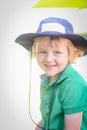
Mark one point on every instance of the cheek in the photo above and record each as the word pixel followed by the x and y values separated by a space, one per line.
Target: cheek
pixel 39 59
pixel 63 60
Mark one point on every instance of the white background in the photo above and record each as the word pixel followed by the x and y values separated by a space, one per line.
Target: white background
pixel 17 17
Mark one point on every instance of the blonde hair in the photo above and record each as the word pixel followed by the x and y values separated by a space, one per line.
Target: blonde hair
pixel 73 51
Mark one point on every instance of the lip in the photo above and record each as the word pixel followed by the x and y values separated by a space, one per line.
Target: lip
pixel 50 66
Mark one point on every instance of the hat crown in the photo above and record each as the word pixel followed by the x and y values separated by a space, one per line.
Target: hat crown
pixel 53 27
pixel 57 25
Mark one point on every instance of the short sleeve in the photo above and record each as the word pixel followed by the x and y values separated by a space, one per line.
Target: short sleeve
pixel 74 97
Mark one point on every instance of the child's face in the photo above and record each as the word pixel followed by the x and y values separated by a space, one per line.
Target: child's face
pixel 51 59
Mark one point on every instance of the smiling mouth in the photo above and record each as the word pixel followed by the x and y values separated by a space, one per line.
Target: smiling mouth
pixel 50 66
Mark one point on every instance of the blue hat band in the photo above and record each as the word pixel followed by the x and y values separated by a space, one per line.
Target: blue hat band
pixel 55 25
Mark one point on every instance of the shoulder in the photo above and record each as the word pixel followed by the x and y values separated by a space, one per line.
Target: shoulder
pixel 73 77
pixel 73 85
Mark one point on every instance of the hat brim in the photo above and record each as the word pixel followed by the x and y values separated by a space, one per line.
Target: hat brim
pixel 26 40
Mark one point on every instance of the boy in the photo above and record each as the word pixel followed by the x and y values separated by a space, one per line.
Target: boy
pixel 63 91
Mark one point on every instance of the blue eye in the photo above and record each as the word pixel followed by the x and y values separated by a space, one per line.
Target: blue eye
pixel 57 52
pixel 41 52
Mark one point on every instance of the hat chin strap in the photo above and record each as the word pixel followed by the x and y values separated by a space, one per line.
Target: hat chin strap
pixel 30 76
pixel 53 27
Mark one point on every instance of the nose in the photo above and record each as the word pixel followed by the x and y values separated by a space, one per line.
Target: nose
pixel 49 57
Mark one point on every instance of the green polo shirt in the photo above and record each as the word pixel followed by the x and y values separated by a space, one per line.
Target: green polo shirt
pixel 66 95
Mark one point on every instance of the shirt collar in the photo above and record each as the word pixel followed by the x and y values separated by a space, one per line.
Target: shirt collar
pixel 65 73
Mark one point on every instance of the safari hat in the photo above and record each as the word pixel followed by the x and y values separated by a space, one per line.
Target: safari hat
pixel 54 27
